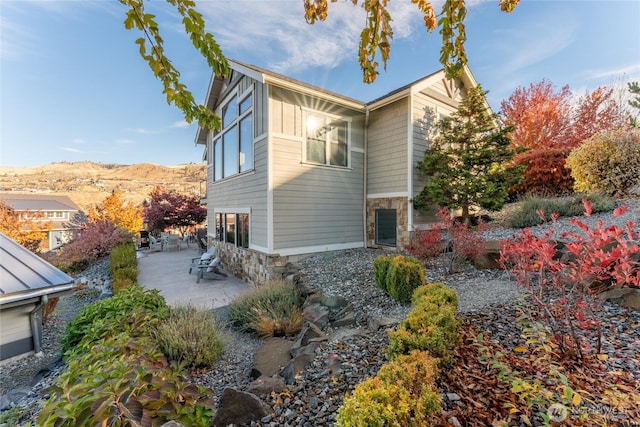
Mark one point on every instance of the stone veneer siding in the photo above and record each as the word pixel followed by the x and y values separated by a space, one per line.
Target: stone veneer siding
pixel 256 268
pixel 400 204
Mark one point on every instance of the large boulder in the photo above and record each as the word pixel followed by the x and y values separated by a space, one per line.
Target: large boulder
pixel 239 407
pixel 625 297
pixel 490 256
pixel 271 357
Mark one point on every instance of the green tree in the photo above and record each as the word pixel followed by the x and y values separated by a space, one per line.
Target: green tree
pixel 466 164
pixel 634 89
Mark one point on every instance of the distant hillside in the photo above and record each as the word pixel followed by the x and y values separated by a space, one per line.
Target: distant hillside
pixel 88 183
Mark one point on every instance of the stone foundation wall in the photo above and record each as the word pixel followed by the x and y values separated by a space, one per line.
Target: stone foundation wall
pixel 251 266
pixel 400 204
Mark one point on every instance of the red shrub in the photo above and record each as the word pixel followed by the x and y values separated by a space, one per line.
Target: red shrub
pixel 545 173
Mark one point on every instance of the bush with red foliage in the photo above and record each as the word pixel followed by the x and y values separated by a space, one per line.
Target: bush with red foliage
pixel 450 234
pixel 93 241
pixel 545 173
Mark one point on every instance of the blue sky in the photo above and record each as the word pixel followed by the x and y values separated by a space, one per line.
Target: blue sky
pixel 74 88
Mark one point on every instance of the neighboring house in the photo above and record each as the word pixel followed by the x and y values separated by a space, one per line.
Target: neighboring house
pixel 27 282
pixel 59 212
pixel 297 170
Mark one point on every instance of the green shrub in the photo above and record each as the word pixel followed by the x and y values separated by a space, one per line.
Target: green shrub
pixel 427 327
pixel 123 255
pixel 402 394
pixel 125 380
pixel 431 325
pixel 607 162
pixel 527 214
pixel 119 284
pixel 404 276
pixel 380 268
pixel 130 273
pixel 274 309
pixel 190 336
pixel 112 315
pixel 435 293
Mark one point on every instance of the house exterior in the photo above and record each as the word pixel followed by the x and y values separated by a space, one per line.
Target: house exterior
pixel 58 212
pixel 297 170
pixel 27 282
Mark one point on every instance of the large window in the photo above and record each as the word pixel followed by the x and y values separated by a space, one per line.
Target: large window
pixel 233 228
pixel 326 140
pixel 233 147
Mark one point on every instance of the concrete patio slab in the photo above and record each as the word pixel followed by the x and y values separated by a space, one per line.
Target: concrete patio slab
pixel 169 273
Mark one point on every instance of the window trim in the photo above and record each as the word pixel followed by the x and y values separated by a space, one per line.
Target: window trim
pixel 239 117
pixel 328 118
pixel 221 230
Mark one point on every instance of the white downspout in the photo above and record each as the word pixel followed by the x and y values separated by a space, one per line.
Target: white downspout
pixel 35 328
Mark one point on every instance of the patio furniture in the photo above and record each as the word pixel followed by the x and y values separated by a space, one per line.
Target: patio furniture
pixel 203 260
pixel 207 266
pixel 173 241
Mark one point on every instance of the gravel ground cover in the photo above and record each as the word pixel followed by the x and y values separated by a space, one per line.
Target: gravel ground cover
pixel 486 299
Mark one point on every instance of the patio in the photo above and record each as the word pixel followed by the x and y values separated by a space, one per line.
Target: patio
pixel 168 272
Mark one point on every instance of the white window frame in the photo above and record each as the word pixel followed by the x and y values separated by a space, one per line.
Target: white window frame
pixel 328 119
pixel 240 98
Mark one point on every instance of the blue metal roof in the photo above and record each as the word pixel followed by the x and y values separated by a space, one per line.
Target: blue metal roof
pixel 23 273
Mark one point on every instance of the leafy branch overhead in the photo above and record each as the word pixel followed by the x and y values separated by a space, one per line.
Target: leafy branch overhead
pixel 375 39
pixel 151 46
pixel 376 36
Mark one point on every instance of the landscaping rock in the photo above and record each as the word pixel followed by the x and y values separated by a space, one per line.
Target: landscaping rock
pixel 271 357
pixel 625 297
pixel 348 319
pixel 334 302
pixel 489 257
pixel 264 386
pixel 317 314
pixel 239 407
pixel 296 366
pixel 375 323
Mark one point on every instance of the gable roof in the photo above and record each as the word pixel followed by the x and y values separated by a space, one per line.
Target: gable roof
pixel 38 202
pixel 25 275
pixel 216 85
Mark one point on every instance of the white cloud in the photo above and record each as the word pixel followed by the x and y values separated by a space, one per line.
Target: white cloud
pixel 631 70
pixel 124 141
pixel 278 30
pixel 180 124
pixel 72 150
pixel 143 131
pixel 78 141
pixel 533 43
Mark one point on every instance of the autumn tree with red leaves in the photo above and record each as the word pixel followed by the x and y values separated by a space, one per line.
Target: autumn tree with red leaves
pixel 540 115
pixel 171 209
pixel 546 120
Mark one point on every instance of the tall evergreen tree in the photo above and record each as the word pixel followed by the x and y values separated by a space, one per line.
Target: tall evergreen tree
pixel 466 164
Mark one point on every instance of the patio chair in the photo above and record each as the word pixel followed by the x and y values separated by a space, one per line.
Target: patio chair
pixel 203 260
pixel 186 239
pixel 172 242
pixel 211 271
pixel 207 266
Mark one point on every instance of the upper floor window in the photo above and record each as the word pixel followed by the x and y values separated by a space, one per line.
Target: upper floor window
pixel 326 140
pixel 232 149
pixel 55 214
